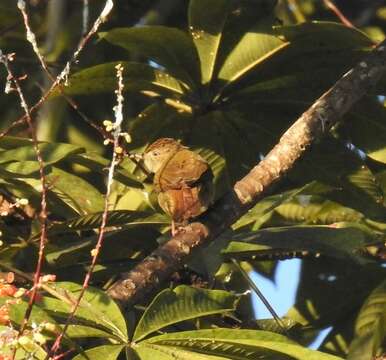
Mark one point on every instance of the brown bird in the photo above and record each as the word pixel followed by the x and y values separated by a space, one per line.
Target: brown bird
pixel 183 180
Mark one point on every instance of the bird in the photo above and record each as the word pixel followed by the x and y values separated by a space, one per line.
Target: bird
pixel 183 180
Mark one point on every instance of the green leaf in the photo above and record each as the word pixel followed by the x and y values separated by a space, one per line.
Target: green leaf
pixel 104 352
pixel 11 142
pixel 205 25
pixel 19 169
pixel 256 46
pixel 182 303
pixel 50 153
pixel 96 308
pixel 318 54
pixel 99 164
pixel 370 327
pixel 114 218
pixel 136 77
pixel 168 47
pixel 256 216
pixel 231 344
pixel 343 241
pixel 75 192
pixel 82 331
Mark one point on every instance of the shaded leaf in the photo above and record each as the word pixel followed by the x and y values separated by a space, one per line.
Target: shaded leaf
pixel 136 77
pixel 168 47
pixel 343 241
pixel 50 153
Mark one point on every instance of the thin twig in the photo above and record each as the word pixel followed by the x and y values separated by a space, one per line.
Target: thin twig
pixel 110 178
pixel 32 39
pixel 43 214
pixel 65 72
pixel 329 4
pixel 260 295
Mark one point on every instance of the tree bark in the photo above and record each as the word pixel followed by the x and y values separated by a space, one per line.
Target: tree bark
pixel 311 126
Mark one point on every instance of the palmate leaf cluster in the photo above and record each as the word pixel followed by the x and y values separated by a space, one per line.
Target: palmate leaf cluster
pixel 227 84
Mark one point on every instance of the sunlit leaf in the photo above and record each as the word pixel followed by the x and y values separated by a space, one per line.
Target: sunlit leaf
pixel 231 344
pixel 370 327
pixel 103 352
pixel 182 303
pixel 205 25
pixel 96 308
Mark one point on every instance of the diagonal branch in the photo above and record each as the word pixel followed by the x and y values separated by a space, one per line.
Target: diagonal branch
pixel 311 126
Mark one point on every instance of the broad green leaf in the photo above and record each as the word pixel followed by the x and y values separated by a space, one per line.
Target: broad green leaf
pixel 39 314
pixel 50 153
pixel 271 325
pixel 256 216
pixel 99 164
pixel 169 47
pixel 325 34
pixel 318 54
pixel 104 352
pixel 342 240
pixel 96 308
pixel 19 169
pixel 11 142
pixel 314 210
pixel 256 46
pixel 75 192
pixel 205 25
pixel 182 303
pixel 114 218
pixel 136 77
pixel 144 352
pixel 234 344
pixel 370 327
pixel 82 331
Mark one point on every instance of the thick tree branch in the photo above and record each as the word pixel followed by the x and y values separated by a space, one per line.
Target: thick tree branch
pixel 312 125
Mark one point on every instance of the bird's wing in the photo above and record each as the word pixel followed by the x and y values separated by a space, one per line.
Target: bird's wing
pixel 183 169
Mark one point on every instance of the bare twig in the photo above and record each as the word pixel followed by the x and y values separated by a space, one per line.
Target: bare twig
pixel 110 178
pixel 330 4
pixel 312 125
pixel 43 214
pixel 32 39
pixel 260 295
pixel 65 72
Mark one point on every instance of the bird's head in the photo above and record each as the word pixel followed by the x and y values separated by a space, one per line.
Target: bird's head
pixel 160 151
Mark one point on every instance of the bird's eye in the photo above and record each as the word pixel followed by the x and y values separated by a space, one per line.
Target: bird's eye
pixel 155 153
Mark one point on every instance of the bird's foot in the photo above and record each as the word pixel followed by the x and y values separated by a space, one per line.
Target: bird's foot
pixel 177 229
